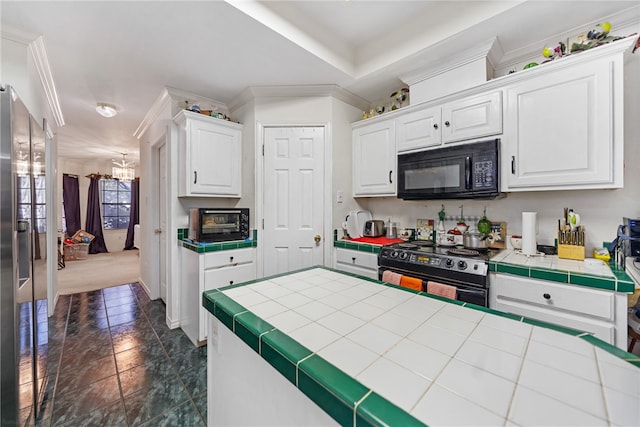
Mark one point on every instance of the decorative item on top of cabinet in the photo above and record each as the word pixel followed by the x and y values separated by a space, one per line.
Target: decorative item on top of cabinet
pixel 209 156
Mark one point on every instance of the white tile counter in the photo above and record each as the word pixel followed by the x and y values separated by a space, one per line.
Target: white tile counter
pixel 435 361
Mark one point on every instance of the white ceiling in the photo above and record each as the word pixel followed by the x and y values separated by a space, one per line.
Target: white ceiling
pixel 125 53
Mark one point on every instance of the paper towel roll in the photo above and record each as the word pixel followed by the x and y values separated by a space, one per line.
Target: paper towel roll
pixel 529 226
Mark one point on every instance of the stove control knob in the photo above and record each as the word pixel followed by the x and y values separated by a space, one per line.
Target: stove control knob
pixel 449 263
pixel 462 265
pixel 393 254
pixel 403 255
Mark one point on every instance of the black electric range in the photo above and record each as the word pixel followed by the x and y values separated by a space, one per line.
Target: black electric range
pixel 466 269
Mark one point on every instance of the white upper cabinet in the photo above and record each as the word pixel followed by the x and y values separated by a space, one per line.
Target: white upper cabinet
pixel 472 117
pixel 466 118
pixel 209 156
pixel 419 129
pixel 374 159
pixel 564 126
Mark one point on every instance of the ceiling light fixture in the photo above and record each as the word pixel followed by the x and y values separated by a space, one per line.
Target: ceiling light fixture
pixel 123 170
pixel 106 110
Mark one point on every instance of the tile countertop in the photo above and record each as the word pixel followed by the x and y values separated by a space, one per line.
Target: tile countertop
pixel 592 273
pixel 375 353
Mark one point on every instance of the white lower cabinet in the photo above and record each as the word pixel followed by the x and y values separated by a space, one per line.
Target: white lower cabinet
pixel 202 272
pixel 362 263
pixel 596 311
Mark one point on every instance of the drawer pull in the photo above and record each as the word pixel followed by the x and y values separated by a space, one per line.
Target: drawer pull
pixel 546 296
pixel 230 259
pixel 353 259
pixel 231 282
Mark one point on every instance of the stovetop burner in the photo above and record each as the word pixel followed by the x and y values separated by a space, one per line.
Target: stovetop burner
pixel 406 245
pixel 463 252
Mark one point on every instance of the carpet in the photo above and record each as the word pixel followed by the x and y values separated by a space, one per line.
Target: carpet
pixel 99 271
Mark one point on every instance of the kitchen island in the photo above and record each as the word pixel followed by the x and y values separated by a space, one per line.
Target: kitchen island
pixel 319 346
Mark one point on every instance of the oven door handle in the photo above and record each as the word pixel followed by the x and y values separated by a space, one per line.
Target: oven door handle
pixel 467 173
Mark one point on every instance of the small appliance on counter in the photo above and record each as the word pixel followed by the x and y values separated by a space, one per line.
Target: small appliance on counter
pixel 374 228
pixel 356 221
pixel 218 224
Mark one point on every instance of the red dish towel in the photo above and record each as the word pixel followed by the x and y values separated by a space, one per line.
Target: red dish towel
pixel 441 289
pixel 411 283
pixel 391 277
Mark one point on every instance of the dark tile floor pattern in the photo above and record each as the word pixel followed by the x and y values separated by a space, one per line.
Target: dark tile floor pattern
pixel 112 361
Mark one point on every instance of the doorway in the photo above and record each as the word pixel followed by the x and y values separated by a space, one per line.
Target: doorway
pixel 293 198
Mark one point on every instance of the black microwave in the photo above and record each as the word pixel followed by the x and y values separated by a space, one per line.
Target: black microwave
pixel 464 171
pixel 218 225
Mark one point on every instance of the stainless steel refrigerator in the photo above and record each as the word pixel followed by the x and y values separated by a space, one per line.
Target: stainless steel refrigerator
pixel 23 304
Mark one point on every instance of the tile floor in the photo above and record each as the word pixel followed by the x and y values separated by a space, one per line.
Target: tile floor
pixel 113 361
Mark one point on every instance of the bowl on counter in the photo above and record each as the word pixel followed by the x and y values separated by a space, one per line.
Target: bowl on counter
pixel 516 242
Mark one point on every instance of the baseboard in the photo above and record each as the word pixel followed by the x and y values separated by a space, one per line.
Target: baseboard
pixel 172 324
pixel 144 286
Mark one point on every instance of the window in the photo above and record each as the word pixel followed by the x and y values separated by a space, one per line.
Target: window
pixel 116 203
pixel 24 201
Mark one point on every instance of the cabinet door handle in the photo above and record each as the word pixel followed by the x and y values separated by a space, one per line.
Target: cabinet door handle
pixel 231 282
pixel 447 124
pixel 435 126
pixel 546 296
pixel 230 259
pixel 353 260
pixel 195 176
pixel 513 165
pixel 390 181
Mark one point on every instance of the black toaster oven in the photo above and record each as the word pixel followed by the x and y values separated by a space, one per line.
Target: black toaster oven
pixel 218 224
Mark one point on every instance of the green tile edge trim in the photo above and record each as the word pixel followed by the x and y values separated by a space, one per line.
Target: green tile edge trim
pixel 628 357
pixel 375 410
pixel 249 328
pixel 283 353
pixel 183 233
pixel 331 389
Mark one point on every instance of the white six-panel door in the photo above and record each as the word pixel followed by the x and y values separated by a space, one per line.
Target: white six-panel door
pixel 293 198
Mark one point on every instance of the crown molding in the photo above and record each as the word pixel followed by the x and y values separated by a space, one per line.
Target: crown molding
pixel 17 35
pixel 299 91
pixel 154 112
pixel 41 60
pixel 178 97
pixel 490 50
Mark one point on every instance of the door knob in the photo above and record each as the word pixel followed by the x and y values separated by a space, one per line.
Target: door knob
pixel 317 238
pixel 158 230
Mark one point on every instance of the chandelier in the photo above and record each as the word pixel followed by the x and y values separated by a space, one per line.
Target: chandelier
pixel 123 170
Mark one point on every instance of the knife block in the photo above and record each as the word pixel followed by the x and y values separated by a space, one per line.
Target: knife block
pixel 571 252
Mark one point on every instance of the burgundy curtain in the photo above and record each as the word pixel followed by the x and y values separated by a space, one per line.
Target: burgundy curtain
pixel 134 216
pixel 71 199
pixel 93 224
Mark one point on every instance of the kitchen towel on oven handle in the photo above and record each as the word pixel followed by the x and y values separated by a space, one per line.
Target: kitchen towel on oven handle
pixel 389 276
pixel 442 290
pixel 411 283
